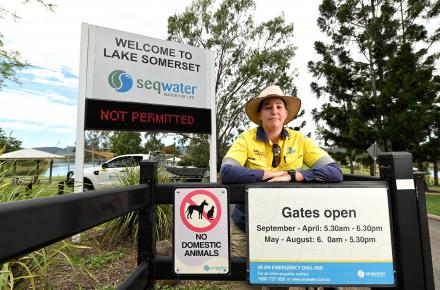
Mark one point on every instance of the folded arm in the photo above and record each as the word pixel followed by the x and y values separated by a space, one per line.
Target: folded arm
pixel 325 169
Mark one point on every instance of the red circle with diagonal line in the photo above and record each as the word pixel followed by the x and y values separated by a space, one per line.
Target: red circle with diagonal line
pixel 188 201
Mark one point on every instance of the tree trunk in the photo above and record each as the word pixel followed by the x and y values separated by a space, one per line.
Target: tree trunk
pixel 420 165
pixel 435 172
pixel 351 167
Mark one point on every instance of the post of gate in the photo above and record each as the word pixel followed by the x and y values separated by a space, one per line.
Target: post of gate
pixel 396 169
pixel 419 180
pixel 147 220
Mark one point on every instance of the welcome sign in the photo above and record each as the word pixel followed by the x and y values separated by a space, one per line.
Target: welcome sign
pixel 139 83
pixel 134 82
pixel 128 67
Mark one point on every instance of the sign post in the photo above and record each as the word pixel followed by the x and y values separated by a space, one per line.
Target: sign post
pixel 319 236
pixel 374 150
pixel 201 231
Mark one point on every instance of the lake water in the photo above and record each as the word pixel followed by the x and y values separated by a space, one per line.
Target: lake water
pixel 61 169
pixel 431 172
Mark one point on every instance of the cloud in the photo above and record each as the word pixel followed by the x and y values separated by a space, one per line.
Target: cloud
pixel 49 95
pixel 66 82
pixel 35 111
pixel 50 41
pixel 50 77
pixel 14 125
pixel 33 127
pixel 44 73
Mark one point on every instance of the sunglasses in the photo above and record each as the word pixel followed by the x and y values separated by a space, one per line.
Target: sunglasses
pixel 276 151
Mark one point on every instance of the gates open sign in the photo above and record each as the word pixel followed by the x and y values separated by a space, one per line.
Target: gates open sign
pixel 319 236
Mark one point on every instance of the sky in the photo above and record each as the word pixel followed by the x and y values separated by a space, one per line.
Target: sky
pixel 41 111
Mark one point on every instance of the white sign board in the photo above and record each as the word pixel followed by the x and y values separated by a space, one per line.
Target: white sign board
pixel 201 231
pixel 127 68
pixel 318 236
pixel 123 66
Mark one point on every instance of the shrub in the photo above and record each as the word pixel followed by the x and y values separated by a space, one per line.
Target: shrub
pixel 126 226
pixel 30 270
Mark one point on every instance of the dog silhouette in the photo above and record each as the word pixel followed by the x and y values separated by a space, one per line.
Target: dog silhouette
pixel 210 213
pixel 198 208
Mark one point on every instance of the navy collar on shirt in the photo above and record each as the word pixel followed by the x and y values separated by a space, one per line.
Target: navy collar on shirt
pixel 261 135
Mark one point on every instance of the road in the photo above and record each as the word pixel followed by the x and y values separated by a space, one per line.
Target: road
pixel 434 234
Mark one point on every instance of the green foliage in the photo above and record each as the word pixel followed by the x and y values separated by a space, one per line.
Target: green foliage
pixel 10 60
pixel 153 142
pixel 433 204
pixel 197 152
pixel 24 168
pixel 97 140
pixel 8 143
pixel 386 92
pixel 248 56
pixel 126 227
pixel 102 260
pixel 31 269
pixel 10 63
pixel 126 143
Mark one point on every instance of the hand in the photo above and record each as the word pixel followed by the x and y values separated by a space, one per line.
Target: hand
pixel 285 177
pixel 271 174
pixel 299 176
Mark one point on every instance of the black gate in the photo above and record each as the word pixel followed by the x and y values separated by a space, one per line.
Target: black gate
pixel 32 224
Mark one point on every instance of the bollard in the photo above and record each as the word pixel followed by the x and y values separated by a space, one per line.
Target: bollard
pixel 396 169
pixel 60 187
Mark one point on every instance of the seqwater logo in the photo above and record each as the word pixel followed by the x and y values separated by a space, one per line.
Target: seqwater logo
pixel 168 89
pixel 221 269
pixel 120 81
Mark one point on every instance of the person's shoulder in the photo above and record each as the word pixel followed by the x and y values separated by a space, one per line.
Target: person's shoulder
pixel 294 133
pixel 249 133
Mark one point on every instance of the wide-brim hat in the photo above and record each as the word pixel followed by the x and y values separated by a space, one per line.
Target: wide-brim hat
pixel 293 104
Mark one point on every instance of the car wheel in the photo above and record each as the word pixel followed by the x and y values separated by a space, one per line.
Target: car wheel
pixel 87 185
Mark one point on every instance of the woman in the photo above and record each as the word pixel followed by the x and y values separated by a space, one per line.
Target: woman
pixel 272 153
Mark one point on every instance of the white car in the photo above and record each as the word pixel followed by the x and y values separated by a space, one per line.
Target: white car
pixel 105 175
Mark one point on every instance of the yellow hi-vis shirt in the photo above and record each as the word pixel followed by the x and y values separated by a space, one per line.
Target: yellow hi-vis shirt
pixel 256 153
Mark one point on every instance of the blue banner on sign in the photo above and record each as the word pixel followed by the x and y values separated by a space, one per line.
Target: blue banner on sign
pixel 337 273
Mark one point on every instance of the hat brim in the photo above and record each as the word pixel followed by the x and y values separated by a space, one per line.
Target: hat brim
pixel 293 104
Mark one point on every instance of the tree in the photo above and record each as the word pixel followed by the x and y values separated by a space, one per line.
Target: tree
pixel 8 143
pixel 153 143
pixel 10 61
pixel 97 140
pixel 126 143
pixel 197 153
pixel 378 74
pixel 248 57
pixel 431 148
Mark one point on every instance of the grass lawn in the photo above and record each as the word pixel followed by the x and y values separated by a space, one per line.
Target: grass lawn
pixel 434 188
pixel 357 171
pixel 41 189
pixel 433 204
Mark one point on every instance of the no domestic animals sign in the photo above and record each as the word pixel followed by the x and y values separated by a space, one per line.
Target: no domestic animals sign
pixel 201 231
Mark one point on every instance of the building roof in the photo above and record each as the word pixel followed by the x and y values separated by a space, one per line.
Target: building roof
pixel 29 154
